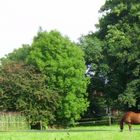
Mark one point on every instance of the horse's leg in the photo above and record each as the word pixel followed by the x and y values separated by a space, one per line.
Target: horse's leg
pixel 130 127
pixel 121 125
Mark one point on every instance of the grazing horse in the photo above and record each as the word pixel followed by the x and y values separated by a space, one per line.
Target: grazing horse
pixel 130 118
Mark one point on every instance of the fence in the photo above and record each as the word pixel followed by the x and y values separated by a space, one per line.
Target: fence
pixel 16 121
pixel 108 120
pixel 12 121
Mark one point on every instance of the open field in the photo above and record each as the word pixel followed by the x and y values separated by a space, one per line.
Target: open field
pixel 77 133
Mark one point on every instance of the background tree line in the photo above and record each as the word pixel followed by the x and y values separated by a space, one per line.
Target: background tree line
pixel 114 52
pixel 46 80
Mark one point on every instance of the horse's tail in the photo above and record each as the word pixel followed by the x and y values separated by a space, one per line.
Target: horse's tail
pixel 121 124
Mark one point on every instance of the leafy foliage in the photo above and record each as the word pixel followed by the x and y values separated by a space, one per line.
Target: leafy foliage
pixel 53 78
pixel 63 63
pixel 122 48
pixel 93 48
pixel 24 89
pixel 118 61
pixel 18 55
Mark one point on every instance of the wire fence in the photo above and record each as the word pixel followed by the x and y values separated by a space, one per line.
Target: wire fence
pixel 15 121
pixel 109 120
pixel 12 121
pixel 10 126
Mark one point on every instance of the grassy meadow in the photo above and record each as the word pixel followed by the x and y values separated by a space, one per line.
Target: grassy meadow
pixel 77 133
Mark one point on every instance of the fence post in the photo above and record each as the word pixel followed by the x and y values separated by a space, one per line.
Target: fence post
pixel 109 119
pixel 41 127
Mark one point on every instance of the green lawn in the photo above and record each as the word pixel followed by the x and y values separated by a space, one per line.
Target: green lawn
pixel 77 133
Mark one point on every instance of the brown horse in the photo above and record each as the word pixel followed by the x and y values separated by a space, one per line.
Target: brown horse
pixel 130 118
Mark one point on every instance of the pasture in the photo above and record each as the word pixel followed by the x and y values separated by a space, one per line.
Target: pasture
pixel 76 133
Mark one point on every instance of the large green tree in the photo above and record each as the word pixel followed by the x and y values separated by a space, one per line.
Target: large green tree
pixel 119 32
pixel 122 35
pixel 63 63
pixel 24 89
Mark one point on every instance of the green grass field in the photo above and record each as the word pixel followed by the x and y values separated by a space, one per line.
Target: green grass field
pixel 77 133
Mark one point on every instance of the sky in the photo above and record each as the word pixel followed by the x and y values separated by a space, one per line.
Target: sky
pixel 21 19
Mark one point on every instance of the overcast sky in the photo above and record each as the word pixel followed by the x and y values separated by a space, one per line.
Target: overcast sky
pixel 21 19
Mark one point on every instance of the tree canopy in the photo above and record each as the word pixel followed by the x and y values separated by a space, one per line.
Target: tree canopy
pixel 24 89
pixel 60 68
pixel 53 68
pixel 119 31
pixel 63 63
